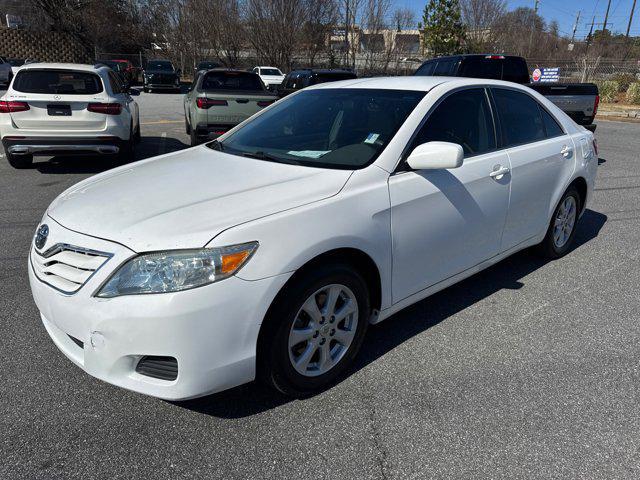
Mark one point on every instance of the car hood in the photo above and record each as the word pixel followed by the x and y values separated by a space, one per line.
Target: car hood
pixel 184 199
pixel 273 78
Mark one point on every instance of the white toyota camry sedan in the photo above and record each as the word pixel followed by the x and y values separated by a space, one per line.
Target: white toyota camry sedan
pixel 267 253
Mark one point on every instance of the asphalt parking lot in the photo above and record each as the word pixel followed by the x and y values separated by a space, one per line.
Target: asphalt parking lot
pixel 526 370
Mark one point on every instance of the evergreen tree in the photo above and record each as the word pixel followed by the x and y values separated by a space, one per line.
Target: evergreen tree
pixel 444 33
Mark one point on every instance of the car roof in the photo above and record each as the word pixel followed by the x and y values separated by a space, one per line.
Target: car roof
pixel 266 66
pixel 417 83
pixel 64 66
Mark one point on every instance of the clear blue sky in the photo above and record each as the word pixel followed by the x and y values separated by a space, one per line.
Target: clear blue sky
pixel 565 11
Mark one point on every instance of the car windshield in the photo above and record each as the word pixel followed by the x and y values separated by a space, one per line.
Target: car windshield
pixel 231 81
pixel 270 71
pixel 159 65
pixel 343 128
pixel 67 82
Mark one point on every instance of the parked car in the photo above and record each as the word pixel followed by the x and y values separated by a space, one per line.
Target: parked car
pixel 578 100
pixel 15 63
pixel 298 79
pixel 207 65
pixel 161 75
pixel 129 71
pixel 64 109
pixel 120 69
pixel 269 251
pixel 6 73
pixel 272 77
pixel 219 99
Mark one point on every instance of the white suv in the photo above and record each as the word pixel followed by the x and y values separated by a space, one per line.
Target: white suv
pixel 60 109
pixel 272 77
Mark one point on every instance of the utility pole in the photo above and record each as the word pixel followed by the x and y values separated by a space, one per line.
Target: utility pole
pixel 589 37
pixel 575 27
pixel 606 16
pixel 633 7
pixel 535 8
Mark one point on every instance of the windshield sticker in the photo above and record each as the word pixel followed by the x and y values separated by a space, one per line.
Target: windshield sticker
pixel 371 138
pixel 308 153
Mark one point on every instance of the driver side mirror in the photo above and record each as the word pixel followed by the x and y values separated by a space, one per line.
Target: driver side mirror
pixel 436 156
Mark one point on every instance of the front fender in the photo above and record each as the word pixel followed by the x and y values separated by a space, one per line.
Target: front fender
pixel 358 217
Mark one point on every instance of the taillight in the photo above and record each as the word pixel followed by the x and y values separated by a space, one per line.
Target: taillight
pixel 265 103
pixel 494 57
pixel 10 106
pixel 595 105
pixel 207 102
pixel 105 108
pixel 595 146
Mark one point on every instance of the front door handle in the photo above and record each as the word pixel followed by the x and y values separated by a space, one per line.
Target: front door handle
pixel 499 171
pixel 566 151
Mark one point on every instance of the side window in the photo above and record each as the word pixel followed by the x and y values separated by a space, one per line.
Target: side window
pixel 551 125
pixel 445 68
pixel 520 117
pixel 426 69
pixel 464 118
pixel 195 81
pixel 116 87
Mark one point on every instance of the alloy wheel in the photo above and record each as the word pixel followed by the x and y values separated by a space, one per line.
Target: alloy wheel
pixel 323 330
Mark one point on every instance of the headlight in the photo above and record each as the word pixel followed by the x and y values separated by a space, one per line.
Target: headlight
pixel 177 270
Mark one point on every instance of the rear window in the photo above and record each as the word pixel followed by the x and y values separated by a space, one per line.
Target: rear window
pixel 331 77
pixel 65 82
pixel 269 71
pixel 231 81
pixel 475 67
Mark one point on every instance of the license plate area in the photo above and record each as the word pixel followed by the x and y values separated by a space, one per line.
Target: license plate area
pixel 59 110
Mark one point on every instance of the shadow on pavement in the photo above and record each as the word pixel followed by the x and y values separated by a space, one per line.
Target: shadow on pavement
pixel 148 147
pixel 254 398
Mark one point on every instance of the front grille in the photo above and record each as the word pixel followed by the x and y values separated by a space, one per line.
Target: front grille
pixel 164 368
pixel 67 268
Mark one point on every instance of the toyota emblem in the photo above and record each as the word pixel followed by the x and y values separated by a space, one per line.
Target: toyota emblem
pixel 41 236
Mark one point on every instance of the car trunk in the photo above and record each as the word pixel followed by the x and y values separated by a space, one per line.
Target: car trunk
pixel 59 112
pixel 231 108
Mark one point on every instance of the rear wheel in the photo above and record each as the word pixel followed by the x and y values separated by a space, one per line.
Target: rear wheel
pixel 314 330
pixel 127 151
pixel 194 138
pixel 187 127
pixel 562 228
pixel 19 161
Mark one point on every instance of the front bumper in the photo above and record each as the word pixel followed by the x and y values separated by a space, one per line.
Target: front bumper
pixel 211 331
pixel 24 145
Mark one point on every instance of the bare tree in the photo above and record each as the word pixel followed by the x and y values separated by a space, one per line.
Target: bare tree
pixel 480 17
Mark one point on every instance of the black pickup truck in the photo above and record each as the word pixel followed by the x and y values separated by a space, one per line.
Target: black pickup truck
pixel 578 100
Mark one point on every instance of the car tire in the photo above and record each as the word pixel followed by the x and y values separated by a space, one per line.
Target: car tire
pixel 194 138
pixel 19 161
pixel 562 227
pixel 145 89
pixel 281 362
pixel 187 127
pixel 127 151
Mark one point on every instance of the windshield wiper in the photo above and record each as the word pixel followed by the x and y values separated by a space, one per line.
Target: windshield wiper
pixel 265 156
pixel 216 145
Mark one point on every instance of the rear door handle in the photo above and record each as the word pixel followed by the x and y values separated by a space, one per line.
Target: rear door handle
pixel 499 171
pixel 566 151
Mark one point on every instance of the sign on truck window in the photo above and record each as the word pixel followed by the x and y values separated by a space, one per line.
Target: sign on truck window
pixel 546 75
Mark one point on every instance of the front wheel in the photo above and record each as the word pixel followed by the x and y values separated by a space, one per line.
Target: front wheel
pixel 314 330
pixel 562 228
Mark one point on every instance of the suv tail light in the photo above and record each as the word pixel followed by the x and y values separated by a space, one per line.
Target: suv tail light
pixel 595 105
pixel 106 108
pixel 265 103
pixel 208 102
pixel 10 106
